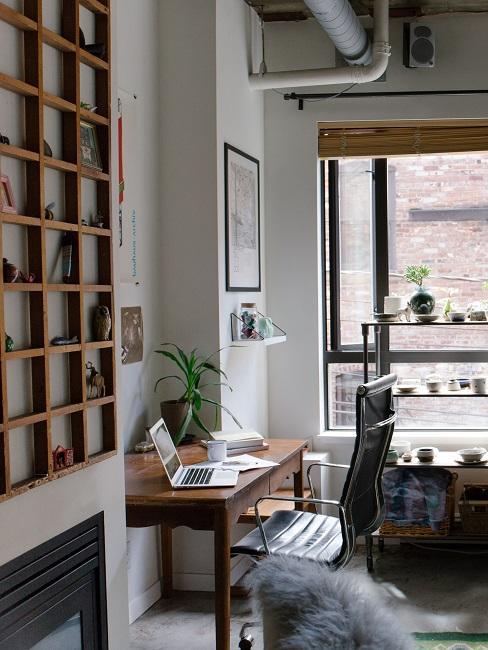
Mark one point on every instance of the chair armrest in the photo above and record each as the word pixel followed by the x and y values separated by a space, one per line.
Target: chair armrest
pixel 312 491
pixel 330 502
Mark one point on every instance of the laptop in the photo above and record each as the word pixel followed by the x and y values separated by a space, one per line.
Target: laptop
pixel 187 476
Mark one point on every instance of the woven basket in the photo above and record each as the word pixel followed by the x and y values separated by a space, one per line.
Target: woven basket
pixel 388 528
pixel 473 508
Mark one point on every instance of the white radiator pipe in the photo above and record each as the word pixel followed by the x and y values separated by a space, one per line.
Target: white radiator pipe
pixel 329 76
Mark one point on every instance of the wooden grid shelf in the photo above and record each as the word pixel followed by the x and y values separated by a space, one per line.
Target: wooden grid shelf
pixel 41 354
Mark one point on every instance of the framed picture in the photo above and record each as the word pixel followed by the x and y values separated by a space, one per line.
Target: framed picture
pixel 7 201
pixel 132 334
pixel 242 226
pixel 90 150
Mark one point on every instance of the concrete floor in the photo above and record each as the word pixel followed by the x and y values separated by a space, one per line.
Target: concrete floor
pixel 429 591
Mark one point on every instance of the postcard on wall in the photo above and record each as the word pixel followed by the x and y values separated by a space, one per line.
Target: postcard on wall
pixel 242 227
pixel 132 334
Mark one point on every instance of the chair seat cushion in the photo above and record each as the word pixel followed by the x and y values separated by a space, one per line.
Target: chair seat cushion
pixel 296 534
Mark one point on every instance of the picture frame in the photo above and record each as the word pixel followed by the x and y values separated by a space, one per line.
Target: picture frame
pixel 242 221
pixel 89 146
pixel 7 200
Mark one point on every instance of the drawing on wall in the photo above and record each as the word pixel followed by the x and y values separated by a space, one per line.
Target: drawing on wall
pixel 129 185
pixel 242 221
pixel 132 334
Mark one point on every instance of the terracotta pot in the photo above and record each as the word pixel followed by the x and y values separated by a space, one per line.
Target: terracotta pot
pixel 173 413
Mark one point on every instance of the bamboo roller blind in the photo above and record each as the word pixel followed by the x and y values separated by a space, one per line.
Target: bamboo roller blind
pixel 400 138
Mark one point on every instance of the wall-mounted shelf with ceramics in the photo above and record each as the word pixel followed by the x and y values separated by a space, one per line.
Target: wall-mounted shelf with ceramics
pixel 243 335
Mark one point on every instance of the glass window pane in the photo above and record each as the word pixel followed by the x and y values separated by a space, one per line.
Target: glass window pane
pixel 343 380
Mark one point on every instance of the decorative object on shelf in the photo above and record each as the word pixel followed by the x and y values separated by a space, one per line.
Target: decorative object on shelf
pixel 7 200
pixel 63 457
pixel 405 314
pixel 392 304
pixel 88 107
pixel 426 454
pixel 386 318
pixel 249 318
pixel 10 272
pixel 84 222
pixel 191 368
pixel 48 152
pixel 478 385
pixel 472 454
pixel 401 446
pixel 4 139
pixel 457 316
pixel 144 446
pixel 454 385
pixel 132 334
pixel 434 383
pixel 265 327
pixel 422 301
pixel 48 211
pixel 96 382
pixel 426 318
pixel 102 323
pixel 90 149
pixel 98 220
pixel 242 221
pixel 392 457
pixel 407 457
pixel 9 343
pixel 63 340
pixel 97 49
pixel 67 245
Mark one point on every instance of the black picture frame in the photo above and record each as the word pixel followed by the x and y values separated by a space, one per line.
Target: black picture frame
pixel 239 251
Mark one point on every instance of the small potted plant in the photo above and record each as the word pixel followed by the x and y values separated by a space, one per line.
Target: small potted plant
pixel 422 301
pixel 192 369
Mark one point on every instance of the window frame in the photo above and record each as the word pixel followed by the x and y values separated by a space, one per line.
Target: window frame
pixel 353 354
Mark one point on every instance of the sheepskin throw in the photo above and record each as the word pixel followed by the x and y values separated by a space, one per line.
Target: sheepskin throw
pixel 305 606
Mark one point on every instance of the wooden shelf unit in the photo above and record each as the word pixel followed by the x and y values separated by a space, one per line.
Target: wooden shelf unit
pixel 31 153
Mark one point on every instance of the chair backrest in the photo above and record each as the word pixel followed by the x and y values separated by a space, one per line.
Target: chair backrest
pixel 362 495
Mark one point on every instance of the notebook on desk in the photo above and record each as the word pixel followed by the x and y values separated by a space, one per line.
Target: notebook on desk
pixel 186 476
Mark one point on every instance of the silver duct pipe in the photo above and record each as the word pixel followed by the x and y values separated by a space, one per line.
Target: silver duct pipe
pixel 338 20
pixel 355 74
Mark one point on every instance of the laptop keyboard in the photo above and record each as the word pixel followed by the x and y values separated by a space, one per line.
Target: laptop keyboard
pixel 197 476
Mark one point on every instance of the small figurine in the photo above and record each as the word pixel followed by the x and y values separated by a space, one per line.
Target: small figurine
pixel 102 323
pixel 48 152
pixel 62 340
pixel 404 314
pixel 96 382
pixel 10 272
pixel 63 457
pixel 9 343
pixel 4 139
pixel 88 107
pixel 98 220
pixel 84 222
pixel 29 278
pixel 48 211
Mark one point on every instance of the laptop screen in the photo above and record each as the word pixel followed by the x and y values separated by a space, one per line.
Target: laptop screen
pixel 166 448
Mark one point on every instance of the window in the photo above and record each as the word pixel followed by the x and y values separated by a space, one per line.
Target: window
pixel 379 216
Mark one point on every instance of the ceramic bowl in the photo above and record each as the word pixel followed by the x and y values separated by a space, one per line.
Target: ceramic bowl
pixel 477 315
pixel 426 318
pixel 386 318
pixel 434 385
pixel 426 454
pixel 392 456
pixel 401 446
pixel 407 388
pixel 473 454
pixel 457 316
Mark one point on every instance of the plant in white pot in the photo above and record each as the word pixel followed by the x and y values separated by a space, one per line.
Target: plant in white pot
pixel 193 370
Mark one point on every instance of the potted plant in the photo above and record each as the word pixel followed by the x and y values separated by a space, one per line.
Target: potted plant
pixel 422 301
pixel 192 369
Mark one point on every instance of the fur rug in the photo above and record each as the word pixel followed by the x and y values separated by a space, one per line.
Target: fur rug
pixel 305 606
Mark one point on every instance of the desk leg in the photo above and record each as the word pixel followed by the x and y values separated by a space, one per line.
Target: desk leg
pixel 167 559
pixel 298 483
pixel 222 579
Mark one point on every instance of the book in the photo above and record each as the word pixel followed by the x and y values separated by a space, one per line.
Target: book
pixel 238 450
pixel 239 439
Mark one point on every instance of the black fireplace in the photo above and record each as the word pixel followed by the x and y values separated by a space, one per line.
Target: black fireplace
pixel 54 596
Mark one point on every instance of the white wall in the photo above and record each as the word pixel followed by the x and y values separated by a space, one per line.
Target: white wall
pixel 293 243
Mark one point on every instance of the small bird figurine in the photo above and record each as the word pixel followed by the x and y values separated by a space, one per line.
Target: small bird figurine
pixel 10 271
pixel 102 323
pixel 48 211
pixel 9 343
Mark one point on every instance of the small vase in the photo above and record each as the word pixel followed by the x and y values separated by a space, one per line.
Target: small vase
pixel 422 301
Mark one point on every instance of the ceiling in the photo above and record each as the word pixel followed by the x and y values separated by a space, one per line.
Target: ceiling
pixel 281 10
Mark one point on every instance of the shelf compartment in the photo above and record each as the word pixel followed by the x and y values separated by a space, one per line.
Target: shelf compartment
pixel 94 174
pixel 26 353
pixel 17 86
pixel 26 420
pixel 95 6
pixel 63 288
pixel 60 225
pixel 60 165
pixel 64 349
pixel 93 61
pixel 22 286
pixel 96 232
pixel 16 19
pixel 17 152
pixel 236 323
pixel 98 345
pixel 58 42
pixel 66 409
pixel 93 118
pixel 100 401
pixel 60 104
pixel 19 219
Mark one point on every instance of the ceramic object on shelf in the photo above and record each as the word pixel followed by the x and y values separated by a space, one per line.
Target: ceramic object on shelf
pixel 483 461
pixel 422 301
pixel 386 318
pixel 453 384
pixel 457 316
pixel 407 457
pixel 477 315
pixel 392 304
pixel 434 384
pixel 472 454
pixel 426 318
pixel 407 388
pixel 401 446
pixel 426 454
pixel 392 456
pixel 9 343
pixel 478 385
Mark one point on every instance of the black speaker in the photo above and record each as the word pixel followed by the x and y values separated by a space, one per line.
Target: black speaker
pixel 418 46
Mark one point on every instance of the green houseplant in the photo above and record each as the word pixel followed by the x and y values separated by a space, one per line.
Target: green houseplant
pixel 193 370
pixel 422 301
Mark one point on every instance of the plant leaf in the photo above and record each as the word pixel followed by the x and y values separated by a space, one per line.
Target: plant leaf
pixel 221 406
pixel 184 426
pixel 173 358
pixel 169 377
pixel 197 399
pixel 199 423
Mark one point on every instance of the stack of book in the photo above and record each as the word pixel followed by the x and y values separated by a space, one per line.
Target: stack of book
pixel 239 442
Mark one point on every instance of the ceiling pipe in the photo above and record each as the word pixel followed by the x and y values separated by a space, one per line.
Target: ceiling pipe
pixel 354 74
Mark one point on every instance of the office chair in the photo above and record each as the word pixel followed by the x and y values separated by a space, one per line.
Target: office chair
pixel 329 539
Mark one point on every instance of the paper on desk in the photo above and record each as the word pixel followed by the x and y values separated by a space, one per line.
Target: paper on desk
pixel 239 463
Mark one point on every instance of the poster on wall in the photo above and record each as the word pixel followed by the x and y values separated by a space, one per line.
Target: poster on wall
pixel 129 186
pixel 132 334
pixel 242 227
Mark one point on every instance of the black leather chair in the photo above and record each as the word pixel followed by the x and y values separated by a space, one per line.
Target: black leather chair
pixel 332 539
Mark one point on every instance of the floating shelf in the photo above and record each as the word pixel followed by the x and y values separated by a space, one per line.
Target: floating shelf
pixel 423 392
pixel 236 324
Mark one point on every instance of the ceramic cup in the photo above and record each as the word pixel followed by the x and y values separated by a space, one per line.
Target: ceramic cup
pixel 426 454
pixel 478 385
pixel 216 450
pixel 392 304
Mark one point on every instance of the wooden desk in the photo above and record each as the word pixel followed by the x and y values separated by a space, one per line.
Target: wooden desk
pixel 150 501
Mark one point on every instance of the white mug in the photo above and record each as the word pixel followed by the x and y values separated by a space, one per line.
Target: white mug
pixel 478 385
pixel 392 304
pixel 217 450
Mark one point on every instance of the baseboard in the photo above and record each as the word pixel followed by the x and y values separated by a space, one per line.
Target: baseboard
pixel 205 581
pixel 141 603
